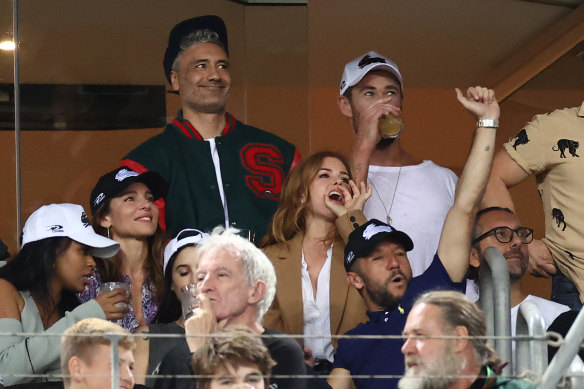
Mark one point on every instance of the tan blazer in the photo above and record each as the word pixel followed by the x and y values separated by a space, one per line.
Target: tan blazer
pixel 347 308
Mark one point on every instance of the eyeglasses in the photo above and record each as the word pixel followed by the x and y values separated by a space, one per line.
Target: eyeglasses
pixel 505 234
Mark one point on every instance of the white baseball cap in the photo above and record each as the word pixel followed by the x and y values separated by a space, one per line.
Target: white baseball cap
pixel 67 220
pixel 359 67
pixel 188 236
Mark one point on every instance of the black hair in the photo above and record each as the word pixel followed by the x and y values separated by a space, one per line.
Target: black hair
pixel 170 308
pixel 32 269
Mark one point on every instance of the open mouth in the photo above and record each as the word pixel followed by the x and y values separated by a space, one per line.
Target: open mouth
pixel 398 279
pixel 337 197
pixel 145 219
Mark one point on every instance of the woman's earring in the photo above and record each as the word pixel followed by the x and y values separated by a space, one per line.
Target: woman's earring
pixel 108 233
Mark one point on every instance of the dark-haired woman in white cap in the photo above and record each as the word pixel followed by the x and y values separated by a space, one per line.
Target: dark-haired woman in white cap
pixel 180 265
pixel 38 289
pixel 122 205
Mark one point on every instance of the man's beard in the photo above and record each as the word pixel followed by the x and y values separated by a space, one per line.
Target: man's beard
pixel 381 295
pixel 514 273
pixel 440 373
pixel 384 143
pixel 214 107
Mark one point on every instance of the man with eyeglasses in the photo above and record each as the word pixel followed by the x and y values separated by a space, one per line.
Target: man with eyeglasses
pixel 501 228
pixel 547 148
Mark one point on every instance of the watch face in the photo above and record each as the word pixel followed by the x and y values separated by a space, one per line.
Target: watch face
pixel 390 126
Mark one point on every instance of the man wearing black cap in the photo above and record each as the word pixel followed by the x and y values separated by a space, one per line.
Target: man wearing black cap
pixel 377 263
pixel 221 171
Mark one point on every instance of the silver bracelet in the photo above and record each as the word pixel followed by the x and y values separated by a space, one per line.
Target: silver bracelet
pixel 488 123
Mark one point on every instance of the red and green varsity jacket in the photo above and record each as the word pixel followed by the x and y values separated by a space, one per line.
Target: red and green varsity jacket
pixel 253 165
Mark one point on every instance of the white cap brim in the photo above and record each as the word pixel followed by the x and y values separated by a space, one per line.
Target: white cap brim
pixel 102 247
pixel 175 245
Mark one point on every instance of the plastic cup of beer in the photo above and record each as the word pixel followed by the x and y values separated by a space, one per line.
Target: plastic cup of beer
pixel 189 300
pixel 390 126
pixel 109 286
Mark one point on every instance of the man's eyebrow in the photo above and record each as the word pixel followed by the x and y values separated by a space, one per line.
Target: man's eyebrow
pixel 219 268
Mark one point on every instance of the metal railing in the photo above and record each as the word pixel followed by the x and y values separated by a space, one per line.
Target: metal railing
pixel 566 361
pixel 496 303
pixel 531 352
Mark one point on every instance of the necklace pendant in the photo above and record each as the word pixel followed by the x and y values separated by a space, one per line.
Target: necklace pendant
pixel 389 220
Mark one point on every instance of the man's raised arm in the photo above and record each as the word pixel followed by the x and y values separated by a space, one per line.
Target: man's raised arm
pixel 455 240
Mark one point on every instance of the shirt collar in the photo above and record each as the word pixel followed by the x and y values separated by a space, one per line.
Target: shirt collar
pixel 380 316
pixel 191 132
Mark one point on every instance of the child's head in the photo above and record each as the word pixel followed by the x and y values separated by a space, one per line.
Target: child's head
pixel 86 360
pixel 235 357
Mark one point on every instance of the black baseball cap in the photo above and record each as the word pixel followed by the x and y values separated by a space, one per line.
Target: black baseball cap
pixel 184 28
pixel 113 183
pixel 364 239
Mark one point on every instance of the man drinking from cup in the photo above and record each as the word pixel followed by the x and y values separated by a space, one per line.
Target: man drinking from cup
pixel 411 194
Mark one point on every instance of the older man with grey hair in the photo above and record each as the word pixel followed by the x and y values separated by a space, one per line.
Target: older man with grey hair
pixel 445 346
pixel 237 283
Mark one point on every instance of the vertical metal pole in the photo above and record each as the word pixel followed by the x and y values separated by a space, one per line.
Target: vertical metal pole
pixel 530 355
pixel 17 120
pixel 565 355
pixel 502 305
pixel 115 365
pixel 487 299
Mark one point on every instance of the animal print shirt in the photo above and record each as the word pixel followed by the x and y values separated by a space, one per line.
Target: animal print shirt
pixel 548 147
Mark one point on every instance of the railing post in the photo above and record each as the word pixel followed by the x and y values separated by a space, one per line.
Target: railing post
pixel 565 356
pixel 530 354
pixel 496 274
pixel 115 367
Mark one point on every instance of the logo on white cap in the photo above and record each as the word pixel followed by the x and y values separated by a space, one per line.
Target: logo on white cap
pixel 84 219
pixel 368 60
pixel 373 230
pixel 124 173
pixel 55 228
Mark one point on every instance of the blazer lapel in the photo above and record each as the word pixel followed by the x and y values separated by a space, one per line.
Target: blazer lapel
pixel 290 285
pixel 339 286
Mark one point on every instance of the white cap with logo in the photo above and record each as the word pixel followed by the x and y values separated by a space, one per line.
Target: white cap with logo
pixel 67 220
pixel 359 67
pixel 188 236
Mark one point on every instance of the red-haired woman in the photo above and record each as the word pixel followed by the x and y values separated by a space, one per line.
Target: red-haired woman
pixel 313 296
